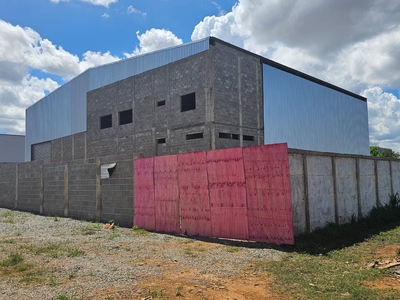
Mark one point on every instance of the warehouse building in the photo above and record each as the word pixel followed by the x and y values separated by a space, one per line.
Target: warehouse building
pixel 203 95
pixel 12 148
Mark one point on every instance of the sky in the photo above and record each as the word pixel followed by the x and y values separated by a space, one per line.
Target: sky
pixel 352 44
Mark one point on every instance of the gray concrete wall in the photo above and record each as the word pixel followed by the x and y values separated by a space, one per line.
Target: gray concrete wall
pixel 227 83
pixel 54 179
pixel 8 185
pixel 328 187
pixel 71 189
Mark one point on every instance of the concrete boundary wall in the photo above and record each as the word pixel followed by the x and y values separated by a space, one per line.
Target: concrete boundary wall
pixel 325 187
pixel 71 189
pixel 329 187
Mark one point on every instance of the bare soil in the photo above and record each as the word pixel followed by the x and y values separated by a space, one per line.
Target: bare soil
pixel 70 259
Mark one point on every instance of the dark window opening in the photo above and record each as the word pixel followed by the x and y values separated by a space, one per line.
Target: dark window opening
pixel 224 135
pixel 248 138
pixel 235 136
pixel 194 136
pixel 125 117
pixel 161 141
pixel 161 103
pixel 188 102
pixel 105 121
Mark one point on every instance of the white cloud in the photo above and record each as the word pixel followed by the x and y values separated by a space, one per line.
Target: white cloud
pixel 132 10
pixel 154 39
pixel 23 49
pixel 105 16
pixel 58 1
pixel 104 3
pixel 220 10
pixel 353 44
pixel 384 118
pixel 15 97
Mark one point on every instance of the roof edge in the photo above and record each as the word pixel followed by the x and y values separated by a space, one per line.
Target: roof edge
pixel 292 71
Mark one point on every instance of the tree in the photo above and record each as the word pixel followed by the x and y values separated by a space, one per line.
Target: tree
pixel 383 152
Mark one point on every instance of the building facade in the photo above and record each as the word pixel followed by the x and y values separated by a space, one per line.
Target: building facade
pixel 12 148
pixel 199 96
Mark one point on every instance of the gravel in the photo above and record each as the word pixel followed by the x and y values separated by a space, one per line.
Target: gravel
pixel 81 260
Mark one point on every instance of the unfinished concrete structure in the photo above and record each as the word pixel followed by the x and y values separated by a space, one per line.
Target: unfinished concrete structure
pixel 199 96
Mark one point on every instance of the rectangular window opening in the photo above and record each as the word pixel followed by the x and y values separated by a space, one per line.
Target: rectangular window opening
pixel 188 102
pixel 161 141
pixel 160 103
pixel 194 136
pixel 125 117
pixel 235 136
pixel 105 121
pixel 248 138
pixel 224 135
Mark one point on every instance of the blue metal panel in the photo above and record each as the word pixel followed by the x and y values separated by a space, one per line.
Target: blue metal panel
pixel 310 116
pixel 63 112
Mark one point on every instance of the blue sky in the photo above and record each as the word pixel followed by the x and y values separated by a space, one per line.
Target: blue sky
pixel 352 44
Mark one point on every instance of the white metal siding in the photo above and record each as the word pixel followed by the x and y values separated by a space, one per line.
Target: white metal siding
pixel 309 116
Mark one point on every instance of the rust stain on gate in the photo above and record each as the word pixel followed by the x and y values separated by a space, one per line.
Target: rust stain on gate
pixel 239 193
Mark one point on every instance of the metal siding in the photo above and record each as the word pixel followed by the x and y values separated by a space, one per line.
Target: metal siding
pixel 268 194
pixel 63 112
pixel 12 148
pixel 42 151
pixel 309 116
pixel 227 189
pixel 144 203
pixel 193 193
pixel 166 194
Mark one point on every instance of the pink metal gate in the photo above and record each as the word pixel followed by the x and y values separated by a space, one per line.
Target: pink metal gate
pixel 239 193
pixel 268 194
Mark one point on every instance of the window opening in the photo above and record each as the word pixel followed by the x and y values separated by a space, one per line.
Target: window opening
pixel 235 136
pixel 224 135
pixel 161 141
pixel 125 117
pixel 105 121
pixel 188 102
pixel 248 138
pixel 161 103
pixel 194 136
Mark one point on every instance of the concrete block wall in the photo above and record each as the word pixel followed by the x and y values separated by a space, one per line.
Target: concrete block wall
pixel 237 93
pixel 82 189
pixel 70 189
pixel 117 191
pixel 55 177
pixel 328 187
pixel 151 121
pixel 8 184
pixel 30 187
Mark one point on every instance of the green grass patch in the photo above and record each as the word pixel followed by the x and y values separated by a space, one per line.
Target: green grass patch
pixel 332 263
pixel 139 231
pixel 13 259
pixel 8 216
pixel 91 228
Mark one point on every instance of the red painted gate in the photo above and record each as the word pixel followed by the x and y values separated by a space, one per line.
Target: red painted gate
pixel 268 194
pixel 145 211
pixel 166 193
pixel 227 193
pixel 239 193
pixel 193 193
